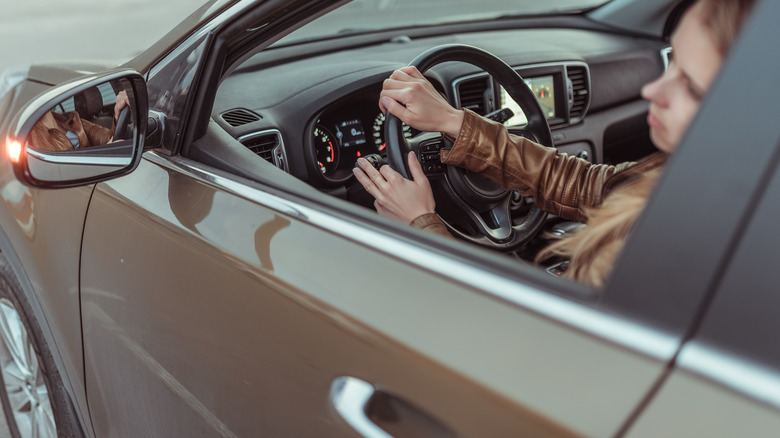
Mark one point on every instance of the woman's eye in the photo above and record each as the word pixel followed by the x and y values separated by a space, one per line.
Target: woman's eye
pixel 694 92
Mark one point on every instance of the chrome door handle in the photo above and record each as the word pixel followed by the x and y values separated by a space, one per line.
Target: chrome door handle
pixel 350 397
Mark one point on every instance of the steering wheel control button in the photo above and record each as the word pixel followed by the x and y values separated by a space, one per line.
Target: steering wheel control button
pixel 430 157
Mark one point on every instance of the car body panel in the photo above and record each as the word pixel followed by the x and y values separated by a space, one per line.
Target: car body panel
pixel 47 235
pixel 690 405
pixel 251 302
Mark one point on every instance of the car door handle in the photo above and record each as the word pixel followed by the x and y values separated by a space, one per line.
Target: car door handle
pixel 362 406
pixel 350 397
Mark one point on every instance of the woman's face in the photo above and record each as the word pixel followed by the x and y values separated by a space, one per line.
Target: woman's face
pixel 675 96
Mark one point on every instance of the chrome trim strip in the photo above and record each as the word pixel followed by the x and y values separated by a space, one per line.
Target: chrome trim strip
pixel 350 397
pixel 743 376
pixel 279 151
pixel 86 160
pixel 621 331
pixel 665 56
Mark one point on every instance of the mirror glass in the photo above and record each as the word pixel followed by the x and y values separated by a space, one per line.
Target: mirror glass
pixel 88 133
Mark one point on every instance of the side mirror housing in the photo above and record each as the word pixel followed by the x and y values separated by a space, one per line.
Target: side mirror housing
pixel 81 132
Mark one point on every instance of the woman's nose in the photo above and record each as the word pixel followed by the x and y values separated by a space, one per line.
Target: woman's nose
pixel 653 91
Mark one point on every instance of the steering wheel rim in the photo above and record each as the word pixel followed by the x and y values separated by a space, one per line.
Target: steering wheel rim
pixel 122 123
pixel 488 209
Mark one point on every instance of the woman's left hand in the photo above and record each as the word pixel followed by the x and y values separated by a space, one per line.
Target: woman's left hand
pixel 395 196
pixel 121 101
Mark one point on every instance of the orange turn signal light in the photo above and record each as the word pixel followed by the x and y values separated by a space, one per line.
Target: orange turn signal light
pixel 14 150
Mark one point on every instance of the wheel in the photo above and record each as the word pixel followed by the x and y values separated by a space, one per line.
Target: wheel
pixel 473 207
pixel 30 386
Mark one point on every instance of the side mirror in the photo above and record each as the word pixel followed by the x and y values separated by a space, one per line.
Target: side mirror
pixel 81 132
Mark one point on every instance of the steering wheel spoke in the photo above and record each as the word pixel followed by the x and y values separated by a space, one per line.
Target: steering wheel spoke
pixel 495 223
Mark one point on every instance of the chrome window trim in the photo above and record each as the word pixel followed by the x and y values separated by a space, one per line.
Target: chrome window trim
pixel 736 373
pixel 279 151
pixel 651 342
pixel 86 160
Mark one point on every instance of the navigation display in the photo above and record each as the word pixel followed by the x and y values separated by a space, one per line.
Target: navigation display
pixel 544 90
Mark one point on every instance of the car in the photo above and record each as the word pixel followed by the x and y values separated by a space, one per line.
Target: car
pixel 214 269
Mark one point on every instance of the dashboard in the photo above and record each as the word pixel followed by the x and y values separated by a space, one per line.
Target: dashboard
pixel 314 109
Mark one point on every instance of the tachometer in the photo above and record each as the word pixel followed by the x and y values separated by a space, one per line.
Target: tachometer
pixel 379 132
pixel 326 149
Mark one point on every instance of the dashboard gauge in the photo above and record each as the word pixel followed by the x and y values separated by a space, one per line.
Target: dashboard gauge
pixel 379 132
pixel 326 150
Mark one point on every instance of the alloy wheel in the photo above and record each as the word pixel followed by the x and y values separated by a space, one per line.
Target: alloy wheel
pixel 23 377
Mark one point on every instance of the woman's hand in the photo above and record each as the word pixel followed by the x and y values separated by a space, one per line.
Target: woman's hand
pixel 121 101
pixel 410 97
pixel 395 196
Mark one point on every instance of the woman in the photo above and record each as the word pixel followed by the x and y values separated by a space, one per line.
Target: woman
pixel 67 131
pixel 607 198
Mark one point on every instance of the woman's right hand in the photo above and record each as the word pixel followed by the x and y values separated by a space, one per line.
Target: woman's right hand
pixel 395 196
pixel 412 98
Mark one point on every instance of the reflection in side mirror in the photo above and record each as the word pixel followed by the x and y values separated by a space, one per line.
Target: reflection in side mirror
pixel 86 132
pixel 88 119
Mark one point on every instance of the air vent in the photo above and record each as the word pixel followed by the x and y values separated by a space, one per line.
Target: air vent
pixel 267 145
pixel 578 75
pixel 239 116
pixel 472 94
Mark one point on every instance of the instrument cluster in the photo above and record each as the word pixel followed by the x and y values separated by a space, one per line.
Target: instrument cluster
pixel 343 133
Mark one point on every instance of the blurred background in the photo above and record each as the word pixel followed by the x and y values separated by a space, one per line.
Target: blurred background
pixel 34 31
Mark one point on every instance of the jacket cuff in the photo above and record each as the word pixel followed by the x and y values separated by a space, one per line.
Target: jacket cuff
pixel 431 222
pixel 463 142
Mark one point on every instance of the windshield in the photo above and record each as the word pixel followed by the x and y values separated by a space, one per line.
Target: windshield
pixel 375 15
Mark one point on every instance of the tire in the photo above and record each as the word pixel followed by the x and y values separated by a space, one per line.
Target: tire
pixel 31 389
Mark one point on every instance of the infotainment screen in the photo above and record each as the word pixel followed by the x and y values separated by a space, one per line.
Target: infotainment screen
pixel 544 90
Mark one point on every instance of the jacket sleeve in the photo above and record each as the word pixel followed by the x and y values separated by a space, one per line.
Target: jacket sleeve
pixel 97 134
pixel 560 184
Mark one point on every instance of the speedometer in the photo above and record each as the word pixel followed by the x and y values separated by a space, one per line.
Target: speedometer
pixel 379 131
pixel 327 151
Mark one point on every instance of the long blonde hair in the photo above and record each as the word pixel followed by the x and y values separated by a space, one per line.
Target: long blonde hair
pixel 592 250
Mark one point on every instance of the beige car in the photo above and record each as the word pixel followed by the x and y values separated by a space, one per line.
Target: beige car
pixel 190 256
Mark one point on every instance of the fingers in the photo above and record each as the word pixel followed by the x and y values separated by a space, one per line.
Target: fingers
pixel 405 73
pixel 418 175
pixel 389 174
pixel 388 104
pixel 365 181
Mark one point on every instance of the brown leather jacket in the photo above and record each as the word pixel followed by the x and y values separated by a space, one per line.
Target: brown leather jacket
pixel 563 185
pixel 89 134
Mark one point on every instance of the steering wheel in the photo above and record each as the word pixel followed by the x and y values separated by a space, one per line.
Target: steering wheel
pixel 122 122
pixel 473 207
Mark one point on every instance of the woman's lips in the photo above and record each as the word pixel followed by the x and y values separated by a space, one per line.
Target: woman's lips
pixel 654 122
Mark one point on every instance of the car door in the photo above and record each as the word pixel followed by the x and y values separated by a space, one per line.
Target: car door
pixel 725 381
pixel 215 307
